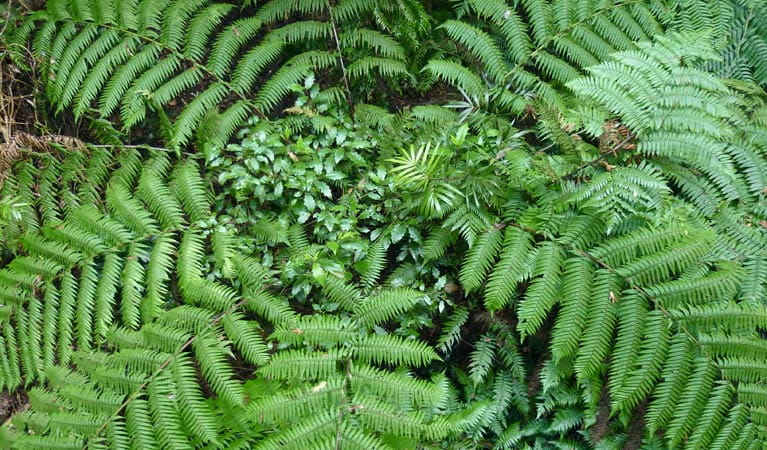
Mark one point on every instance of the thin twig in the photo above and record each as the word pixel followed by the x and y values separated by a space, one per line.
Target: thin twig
pixel 7 18
pixel 341 61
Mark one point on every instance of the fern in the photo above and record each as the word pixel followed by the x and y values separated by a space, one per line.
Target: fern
pixel 641 312
pixel 541 294
pixel 684 119
pixel 610 261
pixel 452 332
pixel 479 259
pixel 341 377
pixel 106 329
pixel 655 351
pixel 126 55
pixel 508 48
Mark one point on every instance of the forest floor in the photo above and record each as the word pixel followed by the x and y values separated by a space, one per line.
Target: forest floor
pixel 12 403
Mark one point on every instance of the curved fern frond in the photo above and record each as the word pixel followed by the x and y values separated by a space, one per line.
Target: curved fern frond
pixel 130 54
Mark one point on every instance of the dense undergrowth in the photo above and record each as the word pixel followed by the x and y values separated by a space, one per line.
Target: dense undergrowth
pixel 384 224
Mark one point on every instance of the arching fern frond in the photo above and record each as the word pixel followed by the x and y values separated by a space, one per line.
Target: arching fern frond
pixel 158 51
pixel 120 319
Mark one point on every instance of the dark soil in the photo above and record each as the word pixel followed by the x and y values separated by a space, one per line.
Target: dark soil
pixel 11 403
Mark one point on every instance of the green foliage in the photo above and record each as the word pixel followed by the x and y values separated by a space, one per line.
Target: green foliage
pixel 122 294
pixel 616 269
pixel 743 55
pixel 320 169
pixel 330 370
pixel 570 255
pixel 125 57
pixel 557 39
pixel 513 51
pixel 682 117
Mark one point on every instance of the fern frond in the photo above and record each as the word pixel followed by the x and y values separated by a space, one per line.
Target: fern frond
pixel 457 75
pixel 157 196
pixel 346 295
pixel 728 434
pixel 726 316
pixel 311 432
pixel 193 113
pixel 692 401
pixel 542 292
pixel 479 259
pixel 374 263
pixel 434 114
pixel 298 402
pixel 209 294
pixel 245 338
pixel 253 63
pixel 384 46
pixel 68 87
pixel 482 358
pixel 270 307
pixel 451 332
pixel 105 294
pixel 190 189
pixel 385 306
pixel 675 374
pixel 394 386
pixel 437 243
pixel 270 231
pixel 480 44
pixel 211 354
pixel 316 331
pixel 277 9
pixel 384 418
pixel 229 42
pixel 130 211
pixel 302 365
pixel 280 85
pixel 119 82
pixel 649 361
pixel 57 252
pixel 393 350
pixel 509 270
pixel 716 408
pixel 572 319
pixel 595 342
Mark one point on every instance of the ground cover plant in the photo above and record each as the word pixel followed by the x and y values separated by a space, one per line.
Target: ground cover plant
pixel 383 224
